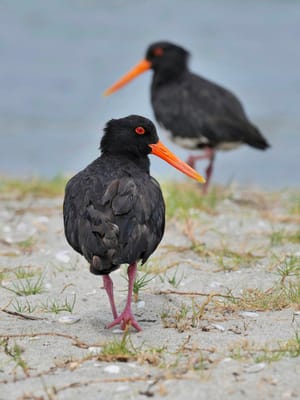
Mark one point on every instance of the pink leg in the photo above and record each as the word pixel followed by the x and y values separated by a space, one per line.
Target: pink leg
pixel 208 154
pixel 109 287
pixel 126 317
pixel 209 171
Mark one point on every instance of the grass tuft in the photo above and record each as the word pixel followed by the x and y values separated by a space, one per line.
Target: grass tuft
pixel 54 306
pixel 27 287
pixel 246 351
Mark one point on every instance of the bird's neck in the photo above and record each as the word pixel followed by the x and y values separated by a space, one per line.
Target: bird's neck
pixel 129 161
pixel 169 73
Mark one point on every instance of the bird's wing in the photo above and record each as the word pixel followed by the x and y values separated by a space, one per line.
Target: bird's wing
pixel 202 109
pixel 212 99
pixel 119 222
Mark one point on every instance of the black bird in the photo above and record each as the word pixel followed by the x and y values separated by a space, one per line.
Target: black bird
pixel 198 113
pixel 114 212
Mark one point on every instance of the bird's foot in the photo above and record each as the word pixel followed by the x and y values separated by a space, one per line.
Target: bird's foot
pixel 125 319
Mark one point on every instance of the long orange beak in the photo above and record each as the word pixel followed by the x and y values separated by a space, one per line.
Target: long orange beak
pixel 163 152
pixel 141 67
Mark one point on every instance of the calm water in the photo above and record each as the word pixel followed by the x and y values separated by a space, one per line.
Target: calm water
pixel 58 56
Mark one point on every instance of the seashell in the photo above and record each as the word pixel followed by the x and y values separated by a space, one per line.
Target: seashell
pixel 255 368
pixel 117 330
pixel 219 327
pixel 68 319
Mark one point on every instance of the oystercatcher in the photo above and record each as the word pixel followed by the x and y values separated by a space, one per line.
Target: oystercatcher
pixel 114 212
pixel 198 113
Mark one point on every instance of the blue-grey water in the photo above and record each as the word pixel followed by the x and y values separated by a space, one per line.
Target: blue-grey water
pixel 58 56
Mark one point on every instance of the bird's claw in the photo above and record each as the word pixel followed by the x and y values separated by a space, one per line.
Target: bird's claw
pixel 125 319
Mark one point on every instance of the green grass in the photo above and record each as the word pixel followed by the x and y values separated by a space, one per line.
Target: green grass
pixel 183 317
pixel 55 306
pixel 15 353
pixel 36 187
pixel 22 307
pixel 294 204
pixel 281 236
pixel 27 287
pixel 27 244
pixel 118 348
pixel 289 266
pixel 181 197
pixel 276 298
pixel 24 273
pixel 267 353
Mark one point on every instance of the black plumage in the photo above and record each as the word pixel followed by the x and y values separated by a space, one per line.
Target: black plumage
pixel 198 113
pixel 114 212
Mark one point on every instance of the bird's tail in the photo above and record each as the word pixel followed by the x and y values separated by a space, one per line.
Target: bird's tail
pixel 254 138
pixel 102 266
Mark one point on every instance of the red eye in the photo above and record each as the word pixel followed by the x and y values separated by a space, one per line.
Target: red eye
pixel 158 51
pixel 140 130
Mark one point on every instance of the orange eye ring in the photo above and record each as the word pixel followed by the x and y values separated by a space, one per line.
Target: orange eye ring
pixel 140 130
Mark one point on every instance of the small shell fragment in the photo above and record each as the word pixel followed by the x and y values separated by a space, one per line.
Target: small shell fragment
pixel 68 319
pixel 95 350
pixel 112 369
pixel 255 368
pixel 219 327
pixel 117 330
pixel 250 314
pixel 92 293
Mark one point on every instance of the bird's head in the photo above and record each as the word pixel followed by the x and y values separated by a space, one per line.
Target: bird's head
pixel 160 56
pixel 136 136
pixel 129 135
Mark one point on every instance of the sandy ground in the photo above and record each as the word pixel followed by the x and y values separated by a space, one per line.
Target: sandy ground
pixel 197 346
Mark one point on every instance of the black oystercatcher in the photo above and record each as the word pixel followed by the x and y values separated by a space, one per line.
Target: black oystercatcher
pixel 198 113
pixel 114 212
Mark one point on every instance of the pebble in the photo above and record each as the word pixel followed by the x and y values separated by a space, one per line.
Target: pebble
pixel 41 219
pixel 140 304
pixel 48 286
pixel 112 369
pixel 297 313
pixel 122 388
pixel 68 319
pixel 63 256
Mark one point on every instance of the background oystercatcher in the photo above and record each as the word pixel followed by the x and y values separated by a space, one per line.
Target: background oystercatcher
pixel 114 212
pixel 198 113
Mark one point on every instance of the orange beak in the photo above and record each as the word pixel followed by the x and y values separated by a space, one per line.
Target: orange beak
pixel 141 67
pixel 163 152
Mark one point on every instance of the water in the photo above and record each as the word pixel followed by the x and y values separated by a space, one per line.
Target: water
pixel 58 56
